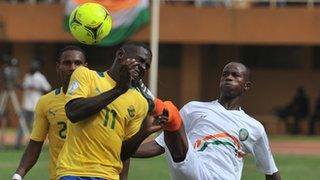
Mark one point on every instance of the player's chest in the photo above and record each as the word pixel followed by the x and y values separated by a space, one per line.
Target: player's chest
pixel 217 126
pixel 56 112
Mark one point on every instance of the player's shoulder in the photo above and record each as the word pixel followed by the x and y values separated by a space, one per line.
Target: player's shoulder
pixel 82 69
pixel 198 104
pixel 253 121
pixel 195 106
pixel 51 95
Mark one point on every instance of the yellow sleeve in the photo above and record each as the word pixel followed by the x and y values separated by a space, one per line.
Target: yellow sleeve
pixel 79 85
pixel 133 126
pixel 41 123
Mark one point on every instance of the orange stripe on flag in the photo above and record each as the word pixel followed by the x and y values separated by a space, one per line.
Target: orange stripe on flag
pixel 112 5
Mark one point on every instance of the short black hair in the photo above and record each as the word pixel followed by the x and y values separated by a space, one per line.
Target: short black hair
pixel 249 76
pixel 71 48
pixel 139 44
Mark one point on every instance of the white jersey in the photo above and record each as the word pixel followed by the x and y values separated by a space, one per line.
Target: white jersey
pixel 34 85
pixel 218 140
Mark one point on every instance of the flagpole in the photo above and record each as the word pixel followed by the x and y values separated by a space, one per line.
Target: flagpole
pixel 154 41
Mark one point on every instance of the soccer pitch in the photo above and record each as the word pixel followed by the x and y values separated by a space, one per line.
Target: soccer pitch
pixel 291 167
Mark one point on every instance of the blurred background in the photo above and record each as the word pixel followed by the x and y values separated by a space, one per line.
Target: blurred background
pixel 279 40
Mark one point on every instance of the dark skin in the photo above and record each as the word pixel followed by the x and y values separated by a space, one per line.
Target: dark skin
pixel 130 65
pixel 68 62
pixel 234 82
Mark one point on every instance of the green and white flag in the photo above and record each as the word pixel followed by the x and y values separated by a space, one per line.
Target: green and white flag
pixel 127 17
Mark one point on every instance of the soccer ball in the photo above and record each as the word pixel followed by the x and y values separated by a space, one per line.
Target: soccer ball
pixel 90 22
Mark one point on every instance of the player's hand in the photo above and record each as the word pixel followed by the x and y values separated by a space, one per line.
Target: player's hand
pixel 153 124
pixel 123 82
pixel 134 70
pixel 127 73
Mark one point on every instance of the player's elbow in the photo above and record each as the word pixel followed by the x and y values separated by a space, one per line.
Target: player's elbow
pixel 71 117
pixel 71 113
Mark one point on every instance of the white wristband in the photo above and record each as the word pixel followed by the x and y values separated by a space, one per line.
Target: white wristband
pixel 16 177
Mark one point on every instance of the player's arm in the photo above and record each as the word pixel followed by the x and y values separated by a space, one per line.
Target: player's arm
pixel 81 107
pixel 149 149
pixel 150 125
pixel 29 158
pixel 38 135
pixel 175 137
pixel 264 158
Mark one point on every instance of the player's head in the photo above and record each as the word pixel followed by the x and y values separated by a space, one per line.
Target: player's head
pixel 69 58
pixel 234 81
pixel 141 53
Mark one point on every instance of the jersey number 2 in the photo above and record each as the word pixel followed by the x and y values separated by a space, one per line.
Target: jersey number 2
pixel 62 131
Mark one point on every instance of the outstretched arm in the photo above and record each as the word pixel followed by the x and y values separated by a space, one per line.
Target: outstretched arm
pixel 274 176
pixel 150 125
pixel 174 133
pixel 177 144
pixel 29 158
pixel 149 149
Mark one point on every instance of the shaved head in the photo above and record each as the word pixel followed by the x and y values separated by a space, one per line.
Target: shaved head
pixel 242 68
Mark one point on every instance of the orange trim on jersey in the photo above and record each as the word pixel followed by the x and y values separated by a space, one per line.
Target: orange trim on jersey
pixel 223 135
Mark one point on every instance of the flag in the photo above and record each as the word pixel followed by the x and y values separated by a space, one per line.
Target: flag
pixel 127 17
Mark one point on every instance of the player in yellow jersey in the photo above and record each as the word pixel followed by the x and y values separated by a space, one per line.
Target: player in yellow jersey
pixel 50 117
pixel 106 112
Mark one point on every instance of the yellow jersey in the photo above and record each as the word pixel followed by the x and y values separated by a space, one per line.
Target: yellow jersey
pixel 50 119
pixel 93 146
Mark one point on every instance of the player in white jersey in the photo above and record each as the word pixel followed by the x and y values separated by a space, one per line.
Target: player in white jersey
pixel 215 136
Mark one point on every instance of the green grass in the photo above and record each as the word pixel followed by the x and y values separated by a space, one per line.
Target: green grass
pixel 9 161
pixel 291 167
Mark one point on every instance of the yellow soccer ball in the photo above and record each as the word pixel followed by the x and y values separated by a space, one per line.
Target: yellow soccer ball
pixel 89 23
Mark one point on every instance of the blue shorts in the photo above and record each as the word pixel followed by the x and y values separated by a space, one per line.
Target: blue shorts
pixel 79 178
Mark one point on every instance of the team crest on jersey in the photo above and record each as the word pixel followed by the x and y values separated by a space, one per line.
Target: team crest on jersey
pixel 74 85
pixel 131 111
pixel 243 134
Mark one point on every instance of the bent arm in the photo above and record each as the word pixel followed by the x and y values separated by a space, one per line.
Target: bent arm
pixel 82 108
pixel 274 176
pixel 130 146
pixel 30 157
pixel 149 149
pixel 149 126
pixel 177 144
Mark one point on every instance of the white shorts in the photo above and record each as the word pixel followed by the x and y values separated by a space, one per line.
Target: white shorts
pixel 191 168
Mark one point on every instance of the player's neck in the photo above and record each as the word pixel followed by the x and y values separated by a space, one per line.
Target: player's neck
pixel 65 88
pixel 230 104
